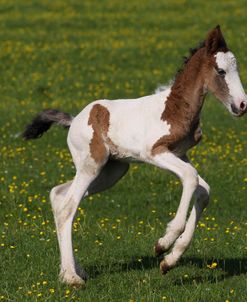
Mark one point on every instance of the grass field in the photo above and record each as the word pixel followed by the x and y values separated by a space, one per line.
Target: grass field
pixel 65 54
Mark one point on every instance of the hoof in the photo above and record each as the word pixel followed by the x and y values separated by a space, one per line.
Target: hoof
pixel 73 280
pixel 164 267
pixel 158 249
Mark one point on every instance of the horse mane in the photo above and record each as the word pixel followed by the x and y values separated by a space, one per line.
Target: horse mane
pixel 192 51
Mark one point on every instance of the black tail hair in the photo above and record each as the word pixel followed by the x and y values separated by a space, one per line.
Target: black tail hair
pixel 43 121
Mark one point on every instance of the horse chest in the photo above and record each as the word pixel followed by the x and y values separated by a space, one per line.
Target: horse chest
pixel 181 146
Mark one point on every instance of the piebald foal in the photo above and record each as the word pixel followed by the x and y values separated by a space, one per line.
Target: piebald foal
pixel 157 129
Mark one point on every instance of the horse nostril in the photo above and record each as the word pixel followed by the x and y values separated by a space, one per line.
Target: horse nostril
pixel 243 106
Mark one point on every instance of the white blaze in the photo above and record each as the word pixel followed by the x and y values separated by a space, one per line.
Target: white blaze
pixel 227 62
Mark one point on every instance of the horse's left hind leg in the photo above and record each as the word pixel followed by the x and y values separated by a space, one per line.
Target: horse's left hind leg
pixel 65 199
pixel 59 192
pixel 64 210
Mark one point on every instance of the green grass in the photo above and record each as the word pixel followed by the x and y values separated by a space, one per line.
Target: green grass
pixel 64 54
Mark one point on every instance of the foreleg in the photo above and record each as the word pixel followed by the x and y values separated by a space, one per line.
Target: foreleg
pixel 188 176
pixel 183 242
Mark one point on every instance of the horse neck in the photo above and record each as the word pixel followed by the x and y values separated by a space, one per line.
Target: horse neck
pixel 184 104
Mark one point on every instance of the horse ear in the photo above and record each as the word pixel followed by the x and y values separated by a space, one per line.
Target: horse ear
pixel 215 41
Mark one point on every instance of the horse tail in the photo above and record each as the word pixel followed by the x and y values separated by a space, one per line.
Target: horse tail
pixel 43 121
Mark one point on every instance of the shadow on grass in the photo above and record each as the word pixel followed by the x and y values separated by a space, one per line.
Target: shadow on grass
pixel 226 268
pixel 231 266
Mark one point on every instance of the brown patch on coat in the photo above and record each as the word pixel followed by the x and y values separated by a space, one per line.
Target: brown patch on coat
pixel 99 119
pixel 217 84
pixel 182 109
pixel 183 105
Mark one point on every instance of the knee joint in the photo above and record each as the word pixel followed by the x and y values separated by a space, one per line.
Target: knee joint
pixel 191 177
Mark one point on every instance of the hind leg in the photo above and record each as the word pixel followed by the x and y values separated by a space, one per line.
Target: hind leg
pixel 65 200
pixel 110 174
pixel 59 192
pixel 64 212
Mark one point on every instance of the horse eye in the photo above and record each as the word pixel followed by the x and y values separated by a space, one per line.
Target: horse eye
pixel 221 72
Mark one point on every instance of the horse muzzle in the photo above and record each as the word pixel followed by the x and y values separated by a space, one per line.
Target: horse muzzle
pixel 241 110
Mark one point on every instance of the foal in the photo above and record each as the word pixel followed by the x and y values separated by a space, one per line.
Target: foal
pixel 157 129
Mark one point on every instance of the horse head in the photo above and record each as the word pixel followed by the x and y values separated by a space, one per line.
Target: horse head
pixel 221 73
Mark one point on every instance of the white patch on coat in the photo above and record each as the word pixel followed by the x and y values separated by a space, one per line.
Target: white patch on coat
pixel 135 125
pixel 228 63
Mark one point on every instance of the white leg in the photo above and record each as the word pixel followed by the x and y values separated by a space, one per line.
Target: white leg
pixel 64 211
pixel 182 243
pixel 65 200
pixel 188 175
pixel 59 192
